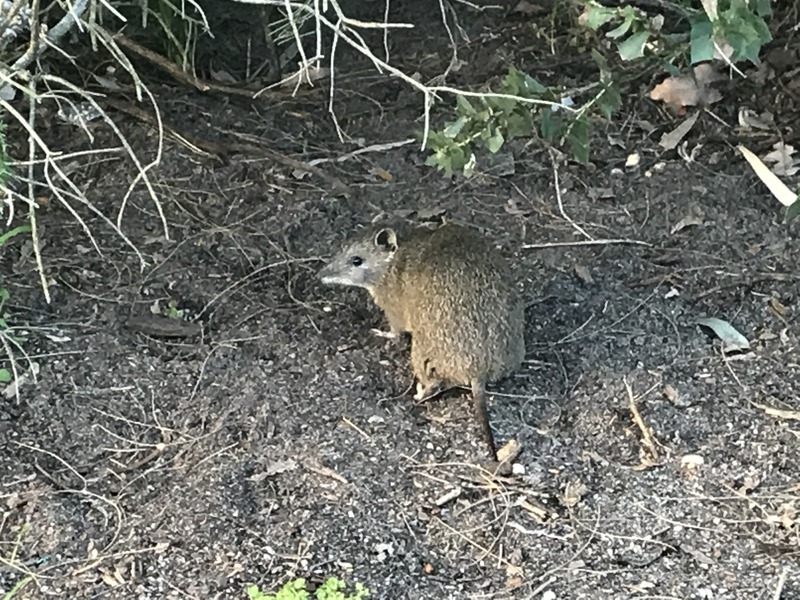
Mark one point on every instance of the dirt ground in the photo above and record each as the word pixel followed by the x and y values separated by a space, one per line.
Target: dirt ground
pixel 282 441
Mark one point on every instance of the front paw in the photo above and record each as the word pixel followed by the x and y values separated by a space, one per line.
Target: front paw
pixel 391 335
pixel 429 391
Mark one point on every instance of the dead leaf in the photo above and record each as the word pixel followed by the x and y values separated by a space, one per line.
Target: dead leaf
pixel 109 82
pixel 670 140
pixel 677 93
pixel 706 73
pixel 583 274
pixel 690 464
pixel 645 461
pixel 448 496
pixel 689 156
pixel 509 451
pixel 382 174
pixel 699 556
pixel 111 578
pixel 573 492
pixel 750 483
pixel 670 393
pixel 279 466
pixel 513 208
pixel 783 161
pixel 431 213
pixel 222 76
pixel 779 189
pixel 687 221
pixel 538 513
pixel 641 587
pixel 514 582
pixel 748 119
pixel 789 415
pixel 732 340
pixel 681 91
pixel 778 309
pixel 161 547
pixel 787 514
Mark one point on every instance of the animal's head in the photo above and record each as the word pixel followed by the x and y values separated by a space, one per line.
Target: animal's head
pixel 363 261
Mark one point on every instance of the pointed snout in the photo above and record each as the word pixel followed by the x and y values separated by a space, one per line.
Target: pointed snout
pixel 325 274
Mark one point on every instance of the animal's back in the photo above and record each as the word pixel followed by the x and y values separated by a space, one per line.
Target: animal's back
pixel 460 303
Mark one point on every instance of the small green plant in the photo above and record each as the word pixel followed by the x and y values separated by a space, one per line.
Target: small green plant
pixel 332 589
pixel 738 27
pixel 490 120
pixel 172 311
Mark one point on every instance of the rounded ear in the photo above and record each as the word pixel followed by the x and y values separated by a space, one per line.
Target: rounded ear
pixel 386 240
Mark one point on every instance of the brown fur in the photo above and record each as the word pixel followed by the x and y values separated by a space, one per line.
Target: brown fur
pixel 453 292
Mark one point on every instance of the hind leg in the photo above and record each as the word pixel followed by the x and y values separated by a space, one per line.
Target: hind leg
pixel 428 383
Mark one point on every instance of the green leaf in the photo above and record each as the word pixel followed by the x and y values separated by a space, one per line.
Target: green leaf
pixel 12 232
pixel 254 593
pixel 609 100
pixel 464 106
pixel 511 82
pixel 744 29
pixel 495 141
pixel 763 32
pixel 600 60
pixel 459 157
pixel 701 42
pixel 453 129
pixel 3 324
pixel 5 376
pixel 763 8
pixel 293 590
pixel 519 124
pixel 597 16
pixel 532 86
pixel 549 125
pixel 670 69
pixel 436 140
pixel 792 210
pixel 618 32
pixel 4 295
pixel 633 47
pixel 579 140
pixel 441 161
pixel 504 105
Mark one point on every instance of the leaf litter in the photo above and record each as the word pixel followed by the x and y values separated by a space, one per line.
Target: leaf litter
pixel 732 339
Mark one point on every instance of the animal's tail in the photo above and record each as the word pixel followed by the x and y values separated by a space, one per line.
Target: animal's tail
pixel 479 400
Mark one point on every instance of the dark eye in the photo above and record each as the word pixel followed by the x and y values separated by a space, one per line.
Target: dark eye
pixel 356 261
